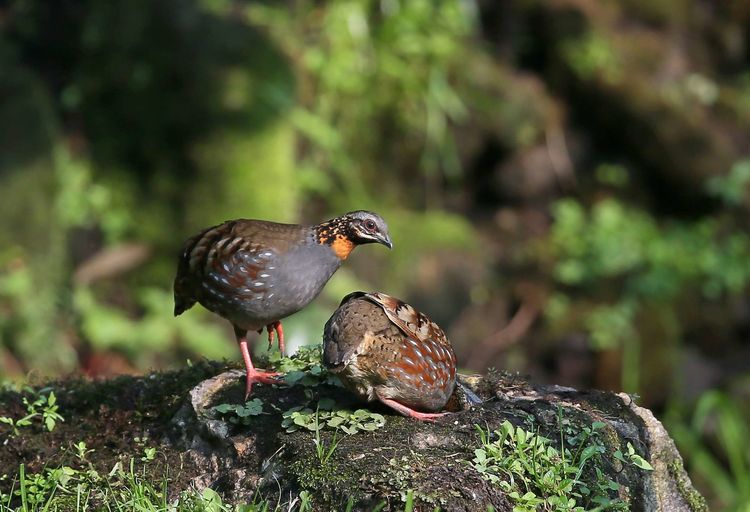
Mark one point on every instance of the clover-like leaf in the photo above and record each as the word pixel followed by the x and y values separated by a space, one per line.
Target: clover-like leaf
pixel 293 377
pixel 335 421
pixel 254 407
pixel 224 408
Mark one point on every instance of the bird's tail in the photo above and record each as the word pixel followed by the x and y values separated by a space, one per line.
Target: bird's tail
pixel 183 299
pixel 463 396
pixel 180 306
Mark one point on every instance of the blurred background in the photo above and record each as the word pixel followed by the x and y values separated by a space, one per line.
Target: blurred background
pixel 566 184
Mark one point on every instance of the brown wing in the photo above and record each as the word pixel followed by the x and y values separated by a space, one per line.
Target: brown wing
pixel 231 262
pixel 413 323
pixel 425 350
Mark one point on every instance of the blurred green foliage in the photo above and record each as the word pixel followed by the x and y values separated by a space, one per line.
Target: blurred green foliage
pixel 649 265
pixel 359 69
pixel 711 437
pixel 732 188
pixel 581 151
pixel 591 55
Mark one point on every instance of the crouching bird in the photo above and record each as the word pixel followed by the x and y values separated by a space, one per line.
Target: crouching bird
pixel 383 349
pixel 254 273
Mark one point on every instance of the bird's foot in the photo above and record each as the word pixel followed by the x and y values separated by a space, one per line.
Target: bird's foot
pixel 256 376
pixel 275 327
pixel 252 374
pixel 411 413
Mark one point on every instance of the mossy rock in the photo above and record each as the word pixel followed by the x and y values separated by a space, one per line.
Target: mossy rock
pixel 428 464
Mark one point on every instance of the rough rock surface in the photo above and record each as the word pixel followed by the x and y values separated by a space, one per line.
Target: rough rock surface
pixel 428 459
pixel 366 469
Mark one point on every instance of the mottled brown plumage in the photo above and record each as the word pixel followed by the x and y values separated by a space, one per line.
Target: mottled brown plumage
pixel 383 349
pixel 255 273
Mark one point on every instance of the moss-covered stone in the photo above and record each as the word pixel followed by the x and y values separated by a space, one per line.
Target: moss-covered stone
pixel 201 448
pixel 694 499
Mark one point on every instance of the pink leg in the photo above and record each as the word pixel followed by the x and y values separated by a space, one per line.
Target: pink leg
pixel 276 326
pixel 411 413
pixel 269 328
pixel 280 333
pixel 252 374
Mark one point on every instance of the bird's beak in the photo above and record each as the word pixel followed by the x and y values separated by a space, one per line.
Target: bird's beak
pixel 386 240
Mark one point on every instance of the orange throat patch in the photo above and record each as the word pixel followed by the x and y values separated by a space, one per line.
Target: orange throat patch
pixel 342 247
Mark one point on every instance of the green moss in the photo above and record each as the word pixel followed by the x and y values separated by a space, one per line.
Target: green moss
pixel 693 498
pixel 612 443
pixel 363 466
pixel 330 483
pixel 407 474
pixel 325 481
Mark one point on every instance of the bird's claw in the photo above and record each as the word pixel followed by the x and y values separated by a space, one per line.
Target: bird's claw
pixel 259 377
pixel 275 328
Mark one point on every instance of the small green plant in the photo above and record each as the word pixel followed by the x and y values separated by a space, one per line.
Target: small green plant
pixel 149 454
pixel 49 407
pixel 241 414
pixel 633 458
pixel 67 488
pixel 34 488
pixel 538 476
pixel 42 406
pixel 210 501
pixel 305 501
pixel 324 453
pixel 82 450
pixel 325 416
pixel 304 367
pixel 125 487
pixel 16 424
pixel 409 505
pixel 305 357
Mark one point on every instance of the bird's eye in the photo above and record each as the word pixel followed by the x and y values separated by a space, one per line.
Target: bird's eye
pixel 370 225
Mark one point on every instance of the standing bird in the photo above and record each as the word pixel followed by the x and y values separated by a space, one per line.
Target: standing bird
pixel 383 349
pixel 255 273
